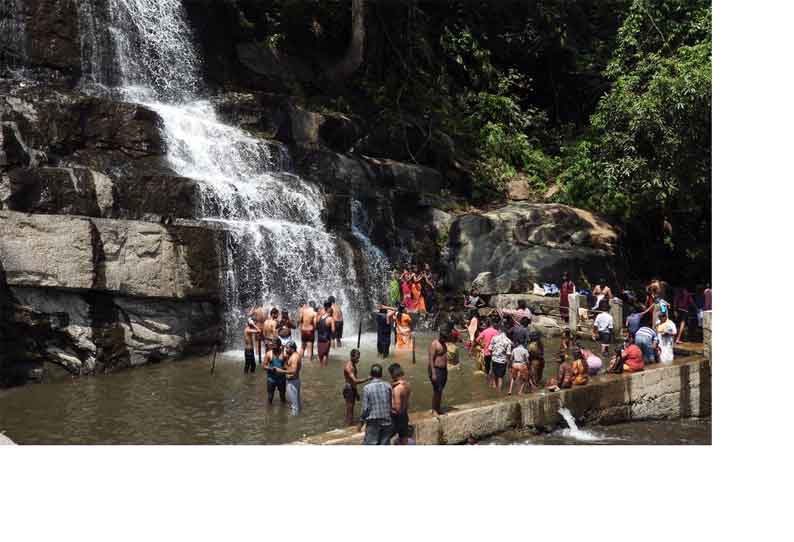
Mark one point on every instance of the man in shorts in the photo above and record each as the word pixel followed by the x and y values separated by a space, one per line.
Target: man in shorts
pixel 338 320
pixel 250 334
pixel 306 317
pixel 400 396
pixel 501 346
pixel 437 367
pixel 603 326
pixel 350 391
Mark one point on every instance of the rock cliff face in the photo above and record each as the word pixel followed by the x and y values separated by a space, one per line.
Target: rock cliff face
pixel 103 264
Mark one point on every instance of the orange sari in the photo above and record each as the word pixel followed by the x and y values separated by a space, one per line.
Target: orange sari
pixel 418 298
pixel 404 334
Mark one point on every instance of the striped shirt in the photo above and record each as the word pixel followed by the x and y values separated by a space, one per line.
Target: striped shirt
pixel 376 401
pixel 646 332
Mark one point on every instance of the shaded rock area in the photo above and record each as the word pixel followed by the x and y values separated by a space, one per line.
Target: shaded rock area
pixel 510 248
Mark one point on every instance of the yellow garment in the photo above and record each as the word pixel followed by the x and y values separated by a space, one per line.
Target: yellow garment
pixel 580 372
pixel 404 335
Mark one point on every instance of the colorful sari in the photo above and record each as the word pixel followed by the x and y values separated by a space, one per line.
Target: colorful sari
pixel 407 300
pixel 418 298
pixel 404 334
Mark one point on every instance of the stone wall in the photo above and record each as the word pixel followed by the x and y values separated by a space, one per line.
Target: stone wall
pixel 680 390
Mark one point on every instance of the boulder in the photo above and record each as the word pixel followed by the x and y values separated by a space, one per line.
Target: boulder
pixel 510 248
pixel 127 257
pixel 517 189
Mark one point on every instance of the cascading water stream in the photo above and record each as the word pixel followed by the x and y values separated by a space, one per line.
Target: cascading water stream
pixel 279 249
pixel 573 430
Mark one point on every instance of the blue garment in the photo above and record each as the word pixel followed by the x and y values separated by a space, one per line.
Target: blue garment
pixel 633 322
pixel 644 338
pixel 272 376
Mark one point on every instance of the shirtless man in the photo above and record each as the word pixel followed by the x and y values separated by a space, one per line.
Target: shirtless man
pixel 400 396
pixel 338 320
pixel 292 370
pixel 259 316
pixel 437 367
pixel 250 334
pixel 350 391
pixel 306 319
pixel 269 327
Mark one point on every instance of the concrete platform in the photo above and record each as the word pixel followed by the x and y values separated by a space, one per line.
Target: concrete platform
pixel 680 390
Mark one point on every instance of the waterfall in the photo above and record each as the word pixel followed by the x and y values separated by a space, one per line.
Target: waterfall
pixel 279 251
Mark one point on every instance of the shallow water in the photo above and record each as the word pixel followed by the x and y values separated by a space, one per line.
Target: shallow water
pixel 181 403
pixel 668 432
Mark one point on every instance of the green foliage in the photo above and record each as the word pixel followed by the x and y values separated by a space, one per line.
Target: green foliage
pixel 647 160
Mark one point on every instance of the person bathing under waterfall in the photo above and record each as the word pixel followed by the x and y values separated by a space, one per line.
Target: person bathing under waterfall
pixel 306 317
pixel 338 320
pixel 250 334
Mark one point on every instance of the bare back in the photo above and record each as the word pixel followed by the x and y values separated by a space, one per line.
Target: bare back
pixel 307 318
pixel 337 313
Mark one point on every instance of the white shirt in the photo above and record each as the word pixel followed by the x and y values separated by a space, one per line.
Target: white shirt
pixel 666 332
pixel 501 347
pixel 604 322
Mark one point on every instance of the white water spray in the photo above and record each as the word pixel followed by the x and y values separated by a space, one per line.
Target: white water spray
pixel 573 430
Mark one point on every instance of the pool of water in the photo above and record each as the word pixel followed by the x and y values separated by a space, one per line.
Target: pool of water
pixel 668 432
pixel 180 402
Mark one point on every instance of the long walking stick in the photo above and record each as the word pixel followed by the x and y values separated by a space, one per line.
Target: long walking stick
pixel 413 348
pixel 358 345
pixel 214 355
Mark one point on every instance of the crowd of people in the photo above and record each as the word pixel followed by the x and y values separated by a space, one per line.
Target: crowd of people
pixel 414 289
pixel 506 346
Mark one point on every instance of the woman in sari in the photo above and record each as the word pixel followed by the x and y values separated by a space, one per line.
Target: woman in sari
pixel 395 293
pixel 416 292
pixel 403 328
pixel 405 289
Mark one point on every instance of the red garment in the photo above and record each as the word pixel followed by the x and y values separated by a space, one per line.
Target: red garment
pixel 634 358
pixel 485 339
pixel 566 289
pixel 707 299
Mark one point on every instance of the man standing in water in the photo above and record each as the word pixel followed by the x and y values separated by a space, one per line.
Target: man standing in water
pixel 338 320
pixel 250 334
pixel 566 289
pixel 276 359
pixel 384 320
pixel 292 371
pixel 259 316
pixel 270 325
pixel 400 395
pixel 350 391
pixel 376 409
pixel 306 318
pixel 501 347
pixel 437 367
pixel 325 334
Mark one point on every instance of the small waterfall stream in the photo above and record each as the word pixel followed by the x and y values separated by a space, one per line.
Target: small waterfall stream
pixel 573 430
pixel 279 250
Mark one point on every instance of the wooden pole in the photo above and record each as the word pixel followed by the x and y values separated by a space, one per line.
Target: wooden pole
pixel 214 355
pixel 413 347
pixel 358 345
